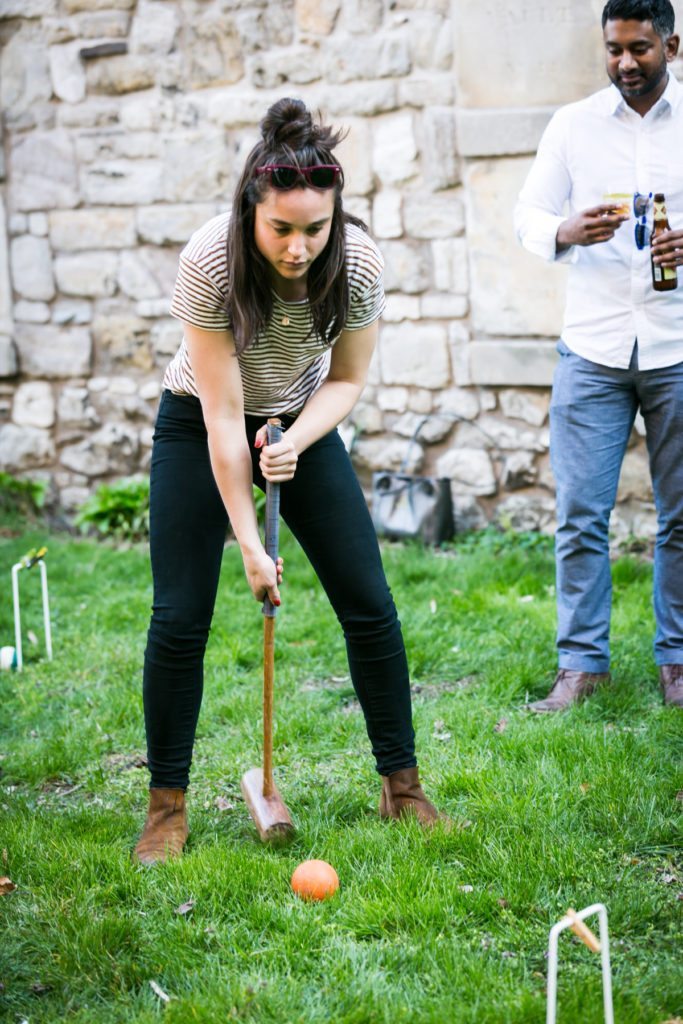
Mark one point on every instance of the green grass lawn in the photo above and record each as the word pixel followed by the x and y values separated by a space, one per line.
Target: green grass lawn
pixel 443 927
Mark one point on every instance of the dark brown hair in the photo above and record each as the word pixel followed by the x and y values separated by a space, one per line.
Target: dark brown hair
pixel 289 135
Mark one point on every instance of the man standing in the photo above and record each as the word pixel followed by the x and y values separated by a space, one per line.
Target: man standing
pixel 622 342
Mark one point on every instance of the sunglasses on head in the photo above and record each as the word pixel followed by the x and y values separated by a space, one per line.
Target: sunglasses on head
pixel 285 176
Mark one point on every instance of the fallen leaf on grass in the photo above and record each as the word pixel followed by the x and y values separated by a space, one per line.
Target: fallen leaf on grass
pixel 39 989
pixel 502 903
pixel 680 896
pixel 584 787
pixel 158 991
pixel 666 878
pixel 501 725
pixel 440 731
pixel 432 607
pixel 526 599
pixel 6 886
pixel 679 795
pixel 466 888
pixel 184 908
pixel 223 804
pixel 507 954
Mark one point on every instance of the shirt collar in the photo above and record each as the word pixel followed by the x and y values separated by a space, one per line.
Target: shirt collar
pixel 671 97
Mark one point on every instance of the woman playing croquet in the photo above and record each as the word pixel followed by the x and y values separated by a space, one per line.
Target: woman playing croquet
pixel 280 302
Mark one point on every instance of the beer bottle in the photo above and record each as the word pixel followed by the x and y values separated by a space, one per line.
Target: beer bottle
pixel 664 279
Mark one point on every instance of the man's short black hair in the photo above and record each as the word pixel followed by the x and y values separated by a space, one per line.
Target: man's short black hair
pixel 659 12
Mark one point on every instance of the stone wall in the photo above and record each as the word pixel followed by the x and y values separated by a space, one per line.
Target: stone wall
pixel 125 126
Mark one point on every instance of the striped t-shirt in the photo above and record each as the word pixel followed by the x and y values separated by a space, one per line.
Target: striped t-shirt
pixel 287 363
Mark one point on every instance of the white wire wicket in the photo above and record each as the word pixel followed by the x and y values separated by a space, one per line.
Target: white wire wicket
pixel 16 569
pixel 574 920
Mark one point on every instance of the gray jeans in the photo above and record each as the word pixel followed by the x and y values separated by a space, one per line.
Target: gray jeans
pixel 592 412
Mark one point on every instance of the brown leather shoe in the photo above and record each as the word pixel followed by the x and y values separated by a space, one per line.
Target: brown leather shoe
pixel 165 830
pixel 568 688
pixel 671 682
pixel 403 797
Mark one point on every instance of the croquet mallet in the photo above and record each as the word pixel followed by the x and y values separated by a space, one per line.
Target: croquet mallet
pixel 266 806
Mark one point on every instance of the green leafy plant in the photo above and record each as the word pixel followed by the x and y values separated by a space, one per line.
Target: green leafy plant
pixel 20 499
pixel 119 510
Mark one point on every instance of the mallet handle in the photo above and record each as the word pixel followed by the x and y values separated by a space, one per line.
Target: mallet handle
pixel 274 428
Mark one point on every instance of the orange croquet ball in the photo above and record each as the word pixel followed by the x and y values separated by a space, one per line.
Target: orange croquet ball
pixel 315 880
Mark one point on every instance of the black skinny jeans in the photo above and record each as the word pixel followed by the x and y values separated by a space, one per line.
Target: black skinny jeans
pixel 324 508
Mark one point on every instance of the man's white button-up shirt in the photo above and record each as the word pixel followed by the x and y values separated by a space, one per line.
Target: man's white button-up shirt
pixel 596 146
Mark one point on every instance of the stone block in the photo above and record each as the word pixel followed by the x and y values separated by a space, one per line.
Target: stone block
pixel 148 272
pixel 470 469
pixel 122 339
pixel 212 51
pixel 48 351
pixel 634 480
pixel 543 38
pixel 467 512
pixel 24 74
pixel 459 403
pixel 386 214
pixel 31 312
pixel 379 453
pixel 500 132
pixel 28 8
pixel 524 405
pixel 459 342
pixel 451 266
pixel 74 407
pixel 395 148
pixel 502 362
pixel 387 55
pixel 367 418
pixel 112 449
pixel 431 41
pixel 44 172
pixel 154 28
pixel 166 337
pixel 401 307
pixel 38 224
pixel 107 24
pixel 512 292
pixel 414 355
pixel 358 206
pixel 114 144
pixel 68 72
pixel 316 16
pixel 300 65
pixel 432 90
pixel 429 430
pixel 24 448
pixel 31 264
pixel 490 432
pixel 8 357
pixel 87 274
pixel 94 228
pixel 393 399
pixel 34 405
pixel 360 98
pixel 122 183
pixel 523 513
pixel 75 6
pixel 230 109
pixel 433 215
pixel 407 267
pixel 440 160
pixel 355 156
pixel 196 166
pixel 119 74
pixel 443 306
pixel 362 17
pixel 421 400
pixel 72 311
pixel 94 112
pixel 519 471
pixel 172 224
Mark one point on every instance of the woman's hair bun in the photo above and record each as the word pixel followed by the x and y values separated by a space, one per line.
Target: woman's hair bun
pixel 288 123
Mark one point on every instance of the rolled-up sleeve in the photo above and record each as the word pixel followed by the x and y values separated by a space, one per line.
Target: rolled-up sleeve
pixel 540 208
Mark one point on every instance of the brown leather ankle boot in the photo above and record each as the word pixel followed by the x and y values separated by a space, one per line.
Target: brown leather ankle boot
pixel 165 829
pixel 403 796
